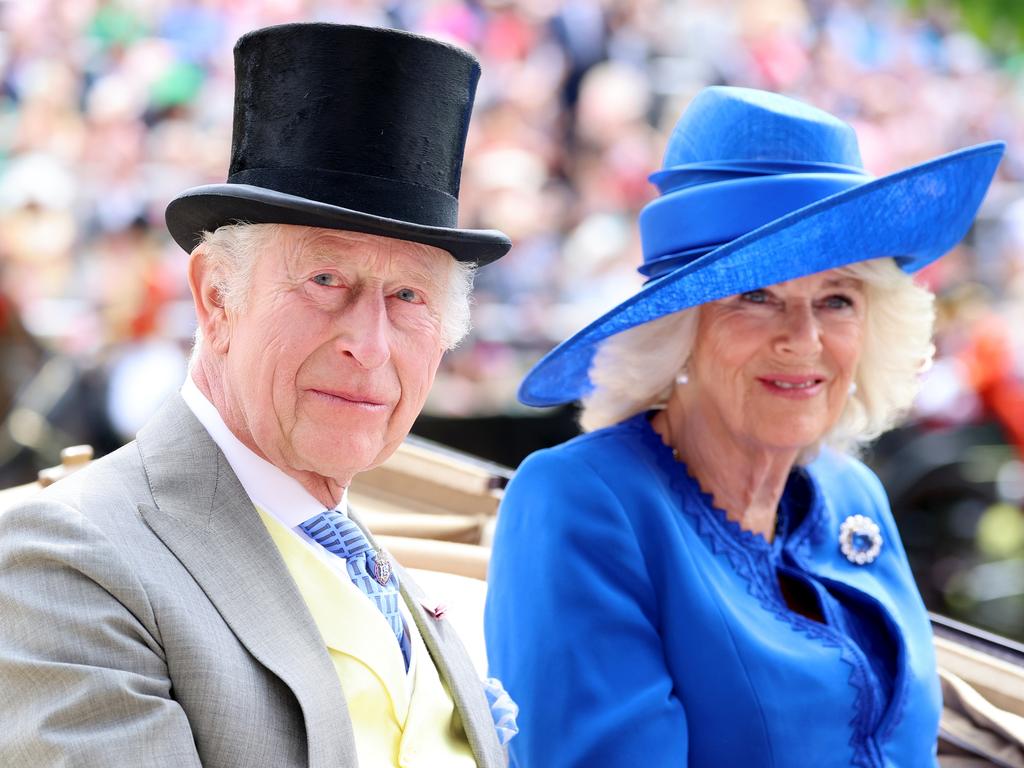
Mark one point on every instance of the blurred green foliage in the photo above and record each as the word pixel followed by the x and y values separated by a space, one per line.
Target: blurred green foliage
pixel 997 23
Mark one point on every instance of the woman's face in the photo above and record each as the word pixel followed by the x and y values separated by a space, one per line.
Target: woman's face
pixel 771 369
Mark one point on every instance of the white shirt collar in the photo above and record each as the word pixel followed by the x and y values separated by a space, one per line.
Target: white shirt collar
pixel 268 487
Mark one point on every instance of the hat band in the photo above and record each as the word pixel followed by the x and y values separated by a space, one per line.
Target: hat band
pixel 655 268
pixel 690 221
pixel 386 198
pixel 695 174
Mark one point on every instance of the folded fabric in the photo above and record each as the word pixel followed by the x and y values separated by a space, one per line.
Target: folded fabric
pixel 973 725
pixel 503 710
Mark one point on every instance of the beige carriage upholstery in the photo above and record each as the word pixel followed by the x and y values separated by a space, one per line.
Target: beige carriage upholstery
pixel 434 510
pixel 982 703
pixel 71 458
pixel 431 508
pixel 427 491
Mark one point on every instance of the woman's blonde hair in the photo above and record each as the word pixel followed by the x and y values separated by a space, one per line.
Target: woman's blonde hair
pixel 635 370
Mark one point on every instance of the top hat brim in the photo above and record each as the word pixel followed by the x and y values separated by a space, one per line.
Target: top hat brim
pixel 914 216
pixel 205 208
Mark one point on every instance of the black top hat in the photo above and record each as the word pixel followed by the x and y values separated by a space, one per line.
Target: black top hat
pixel 350 128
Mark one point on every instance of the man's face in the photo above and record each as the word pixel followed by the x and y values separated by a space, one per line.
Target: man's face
pixel 331 360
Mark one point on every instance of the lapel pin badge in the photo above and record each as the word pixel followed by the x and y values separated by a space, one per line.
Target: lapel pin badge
pixel 434 608
pixel 381 567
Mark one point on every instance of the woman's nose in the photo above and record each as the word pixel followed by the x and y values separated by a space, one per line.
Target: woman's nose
pixel 800 332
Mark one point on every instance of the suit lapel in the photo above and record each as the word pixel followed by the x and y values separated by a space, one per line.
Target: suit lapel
pixel 340 609
pixel 455 668
pixel 205 518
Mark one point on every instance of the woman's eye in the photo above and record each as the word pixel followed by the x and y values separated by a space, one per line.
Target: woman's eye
pixel 325 279
pixel 759 296
pixel 407 294
pixel 838 301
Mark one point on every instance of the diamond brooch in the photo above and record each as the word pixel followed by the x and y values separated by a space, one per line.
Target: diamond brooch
pixel 860 539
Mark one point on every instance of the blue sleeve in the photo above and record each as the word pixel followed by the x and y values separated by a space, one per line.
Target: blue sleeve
pixel 572 625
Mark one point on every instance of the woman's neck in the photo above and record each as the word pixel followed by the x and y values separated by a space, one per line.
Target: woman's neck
pixel 745 481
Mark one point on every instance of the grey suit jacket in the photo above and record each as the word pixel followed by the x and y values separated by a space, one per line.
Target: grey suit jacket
pixel 146 618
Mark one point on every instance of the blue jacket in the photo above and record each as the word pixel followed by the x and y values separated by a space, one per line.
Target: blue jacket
pixel 636 626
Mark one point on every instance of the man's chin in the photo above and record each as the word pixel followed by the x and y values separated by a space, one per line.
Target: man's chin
pixel 341 460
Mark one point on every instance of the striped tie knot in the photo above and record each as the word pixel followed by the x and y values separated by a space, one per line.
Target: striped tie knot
pixel 367 568
pixel 336 533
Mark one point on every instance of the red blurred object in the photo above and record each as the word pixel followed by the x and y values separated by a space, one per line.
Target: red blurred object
pixel 155 294
pixel 989 363
pixel 5 310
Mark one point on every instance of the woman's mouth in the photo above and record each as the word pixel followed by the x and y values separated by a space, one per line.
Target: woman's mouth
pixel 798 387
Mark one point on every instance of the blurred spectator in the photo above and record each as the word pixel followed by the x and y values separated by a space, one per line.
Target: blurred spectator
pixel 47 402
pixel 110 107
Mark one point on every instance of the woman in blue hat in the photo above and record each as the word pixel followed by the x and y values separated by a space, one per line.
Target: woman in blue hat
pixel 708 577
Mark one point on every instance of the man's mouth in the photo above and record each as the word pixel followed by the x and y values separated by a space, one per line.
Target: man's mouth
pixel 364 399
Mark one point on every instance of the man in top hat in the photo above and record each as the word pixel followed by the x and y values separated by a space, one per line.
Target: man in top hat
pixel 202 596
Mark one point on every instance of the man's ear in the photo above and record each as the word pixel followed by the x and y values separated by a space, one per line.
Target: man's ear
pixel 209 302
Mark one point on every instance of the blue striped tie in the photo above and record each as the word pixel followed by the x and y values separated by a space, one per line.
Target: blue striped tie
pixel 337 534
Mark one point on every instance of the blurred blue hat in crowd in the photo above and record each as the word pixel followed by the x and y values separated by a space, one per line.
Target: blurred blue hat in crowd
pixel 757 189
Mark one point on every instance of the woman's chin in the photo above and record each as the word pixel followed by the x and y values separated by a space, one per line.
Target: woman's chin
pixel 789 438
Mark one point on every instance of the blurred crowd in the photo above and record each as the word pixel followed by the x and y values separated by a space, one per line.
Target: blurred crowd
pixel 109 108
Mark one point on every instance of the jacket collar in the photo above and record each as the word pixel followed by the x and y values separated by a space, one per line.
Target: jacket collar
pixel 204 517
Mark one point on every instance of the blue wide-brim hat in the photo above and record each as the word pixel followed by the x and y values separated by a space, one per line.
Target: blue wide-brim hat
pixel 757 189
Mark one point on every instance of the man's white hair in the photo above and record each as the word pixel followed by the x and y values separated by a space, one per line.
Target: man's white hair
pixel 635 370
pixel 232 252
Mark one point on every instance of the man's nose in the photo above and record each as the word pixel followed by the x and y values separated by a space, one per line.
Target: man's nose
pixel 365 330
pixel 800 333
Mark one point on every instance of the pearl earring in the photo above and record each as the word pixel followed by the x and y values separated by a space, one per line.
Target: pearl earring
pixel 683 377
pixel 853 389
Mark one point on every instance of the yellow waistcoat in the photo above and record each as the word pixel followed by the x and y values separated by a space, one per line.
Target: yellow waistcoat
pixel 406 722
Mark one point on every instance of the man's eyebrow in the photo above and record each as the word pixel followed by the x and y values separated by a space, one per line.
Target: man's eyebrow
pixel 419 274
pixel 318 253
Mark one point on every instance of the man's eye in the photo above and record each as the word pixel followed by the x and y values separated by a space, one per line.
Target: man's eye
pixel 407 294
pixel 325 278
pixel 756 297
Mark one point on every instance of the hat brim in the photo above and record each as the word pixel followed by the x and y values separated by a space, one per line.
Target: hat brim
pixel 914 216
pixel 206 208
